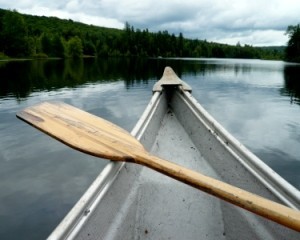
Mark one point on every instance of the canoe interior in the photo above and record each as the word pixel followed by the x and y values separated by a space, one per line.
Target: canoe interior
pixel 134 202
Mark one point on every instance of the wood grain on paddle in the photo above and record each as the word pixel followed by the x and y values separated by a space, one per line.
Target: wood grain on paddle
pixel 98 137
pixel 81 130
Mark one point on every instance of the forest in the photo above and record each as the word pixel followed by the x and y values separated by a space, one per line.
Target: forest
pixel 24 35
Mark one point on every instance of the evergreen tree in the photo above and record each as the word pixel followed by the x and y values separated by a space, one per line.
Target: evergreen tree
pixel 180 45
pixel 293 47
pixel 58 49
pixel 46 44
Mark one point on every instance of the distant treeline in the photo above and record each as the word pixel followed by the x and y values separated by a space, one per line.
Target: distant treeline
pixel 24 35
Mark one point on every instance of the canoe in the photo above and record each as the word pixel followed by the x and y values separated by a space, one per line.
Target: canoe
pixel 128 201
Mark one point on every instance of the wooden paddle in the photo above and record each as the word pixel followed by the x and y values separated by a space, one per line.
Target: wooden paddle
pixel 98 137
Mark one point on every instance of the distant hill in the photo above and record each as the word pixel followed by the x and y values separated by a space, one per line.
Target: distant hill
pixel 40 36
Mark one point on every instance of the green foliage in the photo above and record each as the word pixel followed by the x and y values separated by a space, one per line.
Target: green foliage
pixel 52 45
pixel 292 53
pixel 46 44
pixel 89 48
pixel 3 56
pixel 26 35
pixel 14 35
pixel 74 47
pixel 39 56
pixel 58 48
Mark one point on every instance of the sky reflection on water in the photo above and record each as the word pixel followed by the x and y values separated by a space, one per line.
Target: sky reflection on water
pixel 252 107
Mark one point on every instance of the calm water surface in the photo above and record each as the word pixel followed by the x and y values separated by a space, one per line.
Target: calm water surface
pixel 41 179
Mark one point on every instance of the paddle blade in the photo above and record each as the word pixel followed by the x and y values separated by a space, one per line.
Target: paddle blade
pixel 82 131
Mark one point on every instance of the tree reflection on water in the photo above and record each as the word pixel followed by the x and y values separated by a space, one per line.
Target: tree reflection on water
pixel 20 78
pixel 292 83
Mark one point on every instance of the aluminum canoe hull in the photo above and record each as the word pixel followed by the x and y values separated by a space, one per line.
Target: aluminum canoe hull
pixel 127 201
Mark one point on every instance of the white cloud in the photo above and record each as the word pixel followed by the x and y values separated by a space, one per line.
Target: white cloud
pixel 252 22
pixel 253 37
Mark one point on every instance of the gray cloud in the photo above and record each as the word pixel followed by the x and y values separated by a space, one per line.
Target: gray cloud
pixel 228 21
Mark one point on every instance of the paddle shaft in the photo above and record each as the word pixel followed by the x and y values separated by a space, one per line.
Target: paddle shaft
pixel 261 206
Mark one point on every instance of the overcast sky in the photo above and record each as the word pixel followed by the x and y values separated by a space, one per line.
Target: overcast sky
pixel 256 23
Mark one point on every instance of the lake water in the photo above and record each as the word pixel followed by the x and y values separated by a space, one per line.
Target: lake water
pixel 41 179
